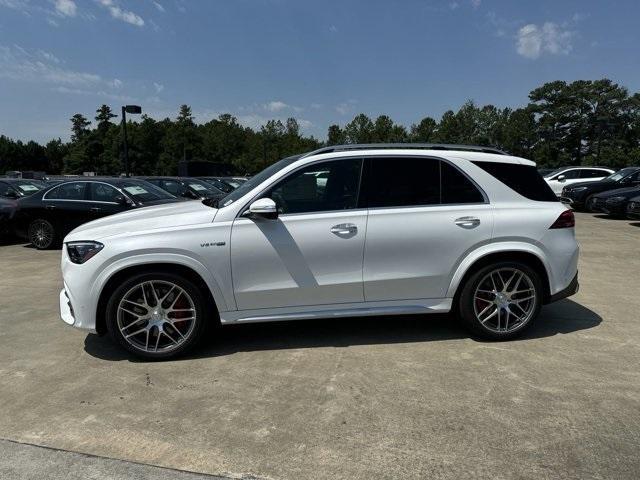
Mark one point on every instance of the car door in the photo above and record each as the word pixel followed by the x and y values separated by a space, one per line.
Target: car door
pixel 312 253
pixel 424 214
pixel 105 200
pixel 562 179
pixel 67 205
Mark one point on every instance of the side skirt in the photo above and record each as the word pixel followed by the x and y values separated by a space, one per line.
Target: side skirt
pixel 362 309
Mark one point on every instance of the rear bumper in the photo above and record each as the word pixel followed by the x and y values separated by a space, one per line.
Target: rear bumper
pixel 571 289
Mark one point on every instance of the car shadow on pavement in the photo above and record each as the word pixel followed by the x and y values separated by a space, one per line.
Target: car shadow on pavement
pixel 563 317
pixel 635 224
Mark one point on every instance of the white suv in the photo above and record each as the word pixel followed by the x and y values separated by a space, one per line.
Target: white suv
pixel 342 231
pixel 560 178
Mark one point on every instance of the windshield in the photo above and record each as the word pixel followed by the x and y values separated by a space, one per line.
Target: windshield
pixel 203 188
pixel 256 180
pixel 219 185
pixel 27 188
pixel 620 174
pixel 142 191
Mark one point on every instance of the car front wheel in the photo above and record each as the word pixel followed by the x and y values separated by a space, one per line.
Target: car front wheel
pixel 156 315
pixel 500 301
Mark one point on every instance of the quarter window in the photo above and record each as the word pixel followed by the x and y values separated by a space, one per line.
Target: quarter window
pixel 320 187
pixel 68 191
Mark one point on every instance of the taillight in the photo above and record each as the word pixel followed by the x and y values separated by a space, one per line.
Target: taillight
pixel 565 220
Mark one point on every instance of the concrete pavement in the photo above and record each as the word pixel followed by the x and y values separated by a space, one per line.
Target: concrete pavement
pixel 398 397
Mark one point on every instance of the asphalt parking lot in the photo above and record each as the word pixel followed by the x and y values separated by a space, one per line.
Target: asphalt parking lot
pixel 398 397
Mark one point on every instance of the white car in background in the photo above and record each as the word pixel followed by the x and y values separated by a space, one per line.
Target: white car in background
pixel 560 178
pixel 343 231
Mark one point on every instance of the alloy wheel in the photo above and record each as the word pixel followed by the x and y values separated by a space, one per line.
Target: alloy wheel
pixel 504 300
pixel 41 234
pixel 156 316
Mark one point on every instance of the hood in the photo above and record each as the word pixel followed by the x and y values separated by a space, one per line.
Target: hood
pixel 144 220
pixel 627 192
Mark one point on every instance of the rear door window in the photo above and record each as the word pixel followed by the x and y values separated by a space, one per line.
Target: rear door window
pixel 593 173
pixel 402 181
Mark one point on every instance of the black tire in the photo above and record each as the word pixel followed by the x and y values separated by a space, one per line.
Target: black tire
pixel 203 315
pixel 587 204
pixel 466 306
pixel 43 234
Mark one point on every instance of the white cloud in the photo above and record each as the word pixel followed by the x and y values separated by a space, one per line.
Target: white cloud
pixel 316 106
pixel 534 41
pixel 158 86
pixel 476 3
pixel 120 14
pixel 275 106
pixel 39 66
pixel 159 6
pixel 66 8
pixel 454 5
pixel 345 107
pixel 333 28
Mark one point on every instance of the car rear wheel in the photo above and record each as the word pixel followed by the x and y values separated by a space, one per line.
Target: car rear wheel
pixel 590 204
pixel 500 301
pixel 42 234
pixel 157 315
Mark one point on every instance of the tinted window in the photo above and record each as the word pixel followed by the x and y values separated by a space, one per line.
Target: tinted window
pixel 142 191
pixel 174 187
pixel 570 174
pixel 633 178
pixel 101 192
pixel 590 173
pixel 319 187
pixel 524 179
pixel 456 187
pixel 402 181
pixel 68 191
pixel 6 189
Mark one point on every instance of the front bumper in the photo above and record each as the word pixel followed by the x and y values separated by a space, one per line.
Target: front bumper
pixel 571 289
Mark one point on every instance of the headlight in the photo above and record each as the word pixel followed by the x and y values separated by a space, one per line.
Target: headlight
pixel 614 200
pixel 80 252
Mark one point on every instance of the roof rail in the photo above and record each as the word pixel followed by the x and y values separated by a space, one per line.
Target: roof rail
pixel 421 146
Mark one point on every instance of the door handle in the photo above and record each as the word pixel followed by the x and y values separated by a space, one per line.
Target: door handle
pixel 95 209
pixel 344 229
pixel 50 207
pixel 467 222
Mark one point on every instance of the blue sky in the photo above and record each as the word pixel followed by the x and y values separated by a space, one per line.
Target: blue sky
pixel 322 62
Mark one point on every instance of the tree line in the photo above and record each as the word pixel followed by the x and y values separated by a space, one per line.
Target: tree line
pixel 579 123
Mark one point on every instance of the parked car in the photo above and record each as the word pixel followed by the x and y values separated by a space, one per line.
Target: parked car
pixel 186 187
pixel 581 194
pixel 219 184
pixel 47 216
pixel 7 211
pixel 562 177
pixel 633 208
pixel 234 182
pixel 471 230
pixel 14 188
pixel 613 202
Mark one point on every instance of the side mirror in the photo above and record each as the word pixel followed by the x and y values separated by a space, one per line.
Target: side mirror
pixel 561 178
pixel 264 207
pixel 12 194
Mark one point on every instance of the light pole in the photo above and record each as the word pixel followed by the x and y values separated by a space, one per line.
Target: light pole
pixel 127 109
